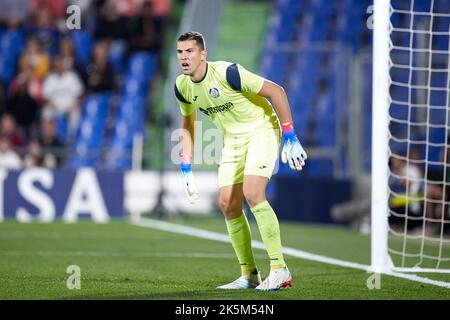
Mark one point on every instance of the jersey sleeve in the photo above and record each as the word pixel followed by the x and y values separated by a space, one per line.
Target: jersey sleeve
pixel 186 108
pixel 243 80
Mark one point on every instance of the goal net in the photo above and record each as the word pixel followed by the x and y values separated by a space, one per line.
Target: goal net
pixel 416 154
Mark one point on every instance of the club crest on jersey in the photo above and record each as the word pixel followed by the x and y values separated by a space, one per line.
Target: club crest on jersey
pixel 214 92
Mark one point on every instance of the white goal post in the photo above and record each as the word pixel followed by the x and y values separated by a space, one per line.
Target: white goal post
pixel 410 115
pixel 380 123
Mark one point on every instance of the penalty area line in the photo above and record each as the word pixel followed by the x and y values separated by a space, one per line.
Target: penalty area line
pixel 215 236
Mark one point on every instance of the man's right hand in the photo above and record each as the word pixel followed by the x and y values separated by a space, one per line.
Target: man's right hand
pixel 188 177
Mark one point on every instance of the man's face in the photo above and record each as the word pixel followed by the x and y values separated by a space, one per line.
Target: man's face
pixel 189 56
pixel 48 128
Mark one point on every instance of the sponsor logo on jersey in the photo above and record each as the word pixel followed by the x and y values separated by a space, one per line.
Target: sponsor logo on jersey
pixel 216 109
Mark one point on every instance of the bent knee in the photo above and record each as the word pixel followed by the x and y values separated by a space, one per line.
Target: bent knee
pixel 230 207
pixel 254 197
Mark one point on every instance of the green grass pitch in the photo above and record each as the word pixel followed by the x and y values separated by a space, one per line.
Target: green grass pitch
pixel 122 261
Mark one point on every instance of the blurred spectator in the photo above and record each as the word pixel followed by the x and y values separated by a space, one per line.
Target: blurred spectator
pixel 27 79
pixel 100 75
pixel 114 29
pixel 34 157
pixel 406 184
pixel 14 10
pixel 2 99
pixel 127 8
pixel 161 8
pixel 34 57
pixel 438 194
pixel 55 8
pixel 44 29
pixel 13 24
pixel 9 159
pixel 23 106
pixel 111 25
pixel 147 31
pixel 8 127
pixel 52 147
pixel 62 93
pixel 67 53
pixel 47 150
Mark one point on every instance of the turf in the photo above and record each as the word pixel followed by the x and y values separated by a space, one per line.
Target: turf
pixel 122 261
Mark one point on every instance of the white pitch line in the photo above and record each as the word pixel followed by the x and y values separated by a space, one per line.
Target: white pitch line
pixel 215 236
pixel 119 254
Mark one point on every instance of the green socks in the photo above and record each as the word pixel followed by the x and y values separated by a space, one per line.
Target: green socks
pixel 241 239
pixel 270 233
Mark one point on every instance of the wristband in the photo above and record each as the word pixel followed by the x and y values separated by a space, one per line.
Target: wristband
pixel 186 161
pixel 288 130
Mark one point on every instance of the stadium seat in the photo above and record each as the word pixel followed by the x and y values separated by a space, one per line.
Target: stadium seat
pixel 11 43
pixel 62 128
pixel 319 168
pixel 96 107
pixel 116 56
pixel 7 70
pixel 83 42
pixel 90 134
pixel 141 65
pixel 134 86
pixel 129 122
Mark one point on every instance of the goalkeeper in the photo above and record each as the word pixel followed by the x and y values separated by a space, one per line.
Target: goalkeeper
pixel 236 100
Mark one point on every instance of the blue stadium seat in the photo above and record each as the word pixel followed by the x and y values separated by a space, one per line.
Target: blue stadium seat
pixel 441 6
pixel 441 41
pixel 117 54
pixel 319 168
pixel 62 128
pixel 134 86
pixel 437 116
pixel 90 134
pixel 11 43
pixel 132 111
pixel 96 107
pixel 119 153
pixel 439 79
pixel 436 136
pixel 275 65
pixel 82 158
pixel 399 74
pixel 119 158
pixel 82 41
pixel 439 97
pixel 142 65
pixel 7 70
pixel 399 112
pixel 129 121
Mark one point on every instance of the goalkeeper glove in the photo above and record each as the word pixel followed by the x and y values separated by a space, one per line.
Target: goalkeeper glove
pixel 188 177
pixel 292 150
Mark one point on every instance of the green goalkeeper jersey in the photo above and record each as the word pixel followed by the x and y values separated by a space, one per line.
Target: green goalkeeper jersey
pixel 228 94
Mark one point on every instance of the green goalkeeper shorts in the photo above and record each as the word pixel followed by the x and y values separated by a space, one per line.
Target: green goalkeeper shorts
pixel 253 154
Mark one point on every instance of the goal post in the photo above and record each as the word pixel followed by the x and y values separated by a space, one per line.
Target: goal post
pixel 380 127
pixel 410 229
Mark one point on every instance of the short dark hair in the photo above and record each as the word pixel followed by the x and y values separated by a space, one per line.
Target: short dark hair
pixel 193 35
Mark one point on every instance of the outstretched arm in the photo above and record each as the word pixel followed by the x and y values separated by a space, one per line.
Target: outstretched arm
pixel 292 151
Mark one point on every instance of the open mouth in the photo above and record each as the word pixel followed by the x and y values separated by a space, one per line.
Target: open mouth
pixel 185 64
